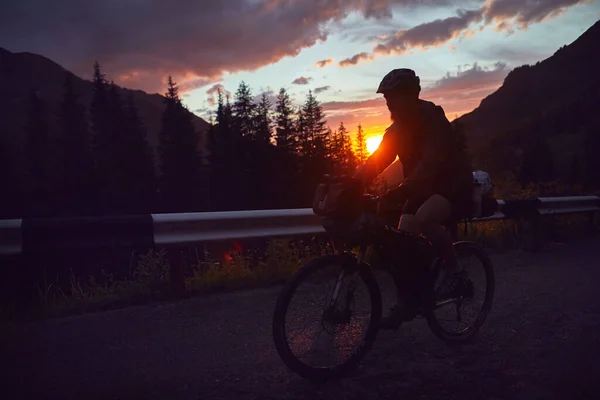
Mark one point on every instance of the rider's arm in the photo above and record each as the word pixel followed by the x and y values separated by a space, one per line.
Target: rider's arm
pixel 380 159
pixel 434 150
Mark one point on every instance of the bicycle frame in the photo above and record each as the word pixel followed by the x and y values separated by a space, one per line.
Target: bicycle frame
pixel 361 257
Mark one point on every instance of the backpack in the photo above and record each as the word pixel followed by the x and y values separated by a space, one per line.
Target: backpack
pixel 483 204
pixel 338 198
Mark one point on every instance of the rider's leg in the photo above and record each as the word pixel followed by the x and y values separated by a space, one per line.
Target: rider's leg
pixel 435 211
pixel 432 213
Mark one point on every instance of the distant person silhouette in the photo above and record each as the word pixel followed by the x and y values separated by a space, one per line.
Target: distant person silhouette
pixel 437 173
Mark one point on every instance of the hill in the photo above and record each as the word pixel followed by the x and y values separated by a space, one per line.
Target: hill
pixel 542 123
pixel 22 72
pixel 568 75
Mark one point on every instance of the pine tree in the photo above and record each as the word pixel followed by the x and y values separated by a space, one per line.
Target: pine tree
pixel 220 107
pixel 107 149
pixel 323 149
pixel 138 162
pixel 181 179
pixel 76 168
pixel 244 111
pixel 337 149
pixel 345 158
pixel 351 162
pixel 303 141
pixel 315 123
pixel 311 127
pixel 263 126
pixel 361 146
pixel 284 111
pixel 99 113
pixel 223 160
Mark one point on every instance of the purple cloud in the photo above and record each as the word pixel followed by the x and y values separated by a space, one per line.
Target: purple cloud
pixel 507 14
pixel 432 33
pixel 213 94
pixel 322 89
pixel 475 78
pixel 524 12
pixel 194 41
pixel 303 80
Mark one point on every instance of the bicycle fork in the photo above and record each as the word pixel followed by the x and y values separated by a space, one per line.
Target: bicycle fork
pixel 343 274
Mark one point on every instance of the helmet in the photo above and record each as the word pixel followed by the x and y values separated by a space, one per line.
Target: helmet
pixel 484 179
pixel 399 78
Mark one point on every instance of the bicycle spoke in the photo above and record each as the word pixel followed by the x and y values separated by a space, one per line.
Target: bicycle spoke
pixel 468 311
pixel 335 315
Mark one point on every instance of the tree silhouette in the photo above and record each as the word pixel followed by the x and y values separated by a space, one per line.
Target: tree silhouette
pixel 284 131
pixel 315 131
pixel 343 155
pixel 76 168
pixel 138 172
pixel 224 143
pixel 244 111
pixel 181 184
pixel 105 112
pixel 361 145
pixel 263 124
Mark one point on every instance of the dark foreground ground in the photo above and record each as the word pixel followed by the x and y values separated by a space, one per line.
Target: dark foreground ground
pixel 542 341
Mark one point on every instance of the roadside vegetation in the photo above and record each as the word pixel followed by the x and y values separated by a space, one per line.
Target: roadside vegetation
pixel 149 273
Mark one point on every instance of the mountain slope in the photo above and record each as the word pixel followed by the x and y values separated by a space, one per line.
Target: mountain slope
pixel 528 91
pixel 22 72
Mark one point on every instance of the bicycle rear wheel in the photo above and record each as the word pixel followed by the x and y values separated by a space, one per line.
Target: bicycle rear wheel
pixel 349 281
pixel 437 312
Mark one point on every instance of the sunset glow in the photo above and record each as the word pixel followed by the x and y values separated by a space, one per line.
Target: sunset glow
pixel 338 50
pixel 373 143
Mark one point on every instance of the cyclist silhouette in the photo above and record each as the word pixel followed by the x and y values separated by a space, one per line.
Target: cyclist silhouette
pixel 437 170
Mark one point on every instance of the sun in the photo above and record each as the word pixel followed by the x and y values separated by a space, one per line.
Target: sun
pixel 373 143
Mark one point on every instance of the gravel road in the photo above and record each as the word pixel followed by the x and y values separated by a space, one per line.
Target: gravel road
pixel 541 341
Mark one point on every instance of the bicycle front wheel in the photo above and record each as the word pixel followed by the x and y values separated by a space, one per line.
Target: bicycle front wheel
pixel 338 298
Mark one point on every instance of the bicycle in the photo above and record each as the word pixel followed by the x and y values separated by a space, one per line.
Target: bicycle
pixel 359 225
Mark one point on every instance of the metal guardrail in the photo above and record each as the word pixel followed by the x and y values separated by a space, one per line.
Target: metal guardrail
pixel 568 205
pixel 186 228
pixel 31 235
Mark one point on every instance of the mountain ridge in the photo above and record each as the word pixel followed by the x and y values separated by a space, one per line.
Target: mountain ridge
pixel 21 72
pixel 531 89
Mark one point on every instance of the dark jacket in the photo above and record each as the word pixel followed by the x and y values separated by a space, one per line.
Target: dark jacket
pixel 432 154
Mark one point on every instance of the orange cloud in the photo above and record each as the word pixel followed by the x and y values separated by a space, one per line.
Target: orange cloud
pixel 355 59
pixel 324 63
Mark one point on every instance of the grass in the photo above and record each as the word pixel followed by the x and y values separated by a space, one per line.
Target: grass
pixel 149 281
pixel 281 260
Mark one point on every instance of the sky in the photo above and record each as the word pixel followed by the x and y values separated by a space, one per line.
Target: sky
pixel 340 49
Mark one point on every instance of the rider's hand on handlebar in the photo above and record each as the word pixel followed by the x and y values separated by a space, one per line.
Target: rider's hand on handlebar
pixel 398 194
pixel 393 199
